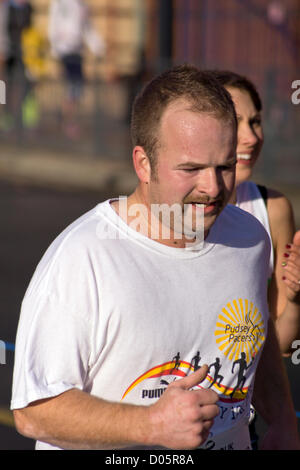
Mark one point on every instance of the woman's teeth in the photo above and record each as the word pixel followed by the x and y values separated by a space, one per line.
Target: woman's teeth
pixel 243 156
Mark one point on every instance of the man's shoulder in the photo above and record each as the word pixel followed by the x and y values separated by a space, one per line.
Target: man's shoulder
pixel 81 234
pixel 240 216
pixel 70 251
pixel 82 227
pixel 240 225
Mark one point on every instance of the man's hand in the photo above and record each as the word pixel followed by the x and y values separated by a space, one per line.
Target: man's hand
pixel 291 267
pixel 182 417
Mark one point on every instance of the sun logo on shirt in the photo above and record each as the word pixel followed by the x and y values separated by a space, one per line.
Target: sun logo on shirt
pixel 240 329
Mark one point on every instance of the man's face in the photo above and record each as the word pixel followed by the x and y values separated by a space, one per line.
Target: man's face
pixel 195 162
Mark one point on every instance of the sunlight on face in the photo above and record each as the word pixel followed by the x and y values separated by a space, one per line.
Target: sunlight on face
pixel 195 162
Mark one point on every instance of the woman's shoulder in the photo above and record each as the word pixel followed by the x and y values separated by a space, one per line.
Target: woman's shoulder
pixel 278 205
pixel 280 214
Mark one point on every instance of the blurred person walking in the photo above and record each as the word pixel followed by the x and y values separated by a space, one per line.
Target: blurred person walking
pixel 70 29
pixel 17 17
pixel 3 35
pixel 34 46
pixel 271 207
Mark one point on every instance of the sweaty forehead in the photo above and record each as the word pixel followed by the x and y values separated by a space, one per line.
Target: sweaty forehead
pixel 180 121
pixel 189 136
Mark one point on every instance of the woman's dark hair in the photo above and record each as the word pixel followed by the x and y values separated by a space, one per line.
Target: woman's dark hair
pixel 234 80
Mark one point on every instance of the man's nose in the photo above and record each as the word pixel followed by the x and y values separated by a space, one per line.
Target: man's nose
pixel 209 182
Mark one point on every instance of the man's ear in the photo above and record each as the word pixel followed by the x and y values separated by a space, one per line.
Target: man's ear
pixel 141 164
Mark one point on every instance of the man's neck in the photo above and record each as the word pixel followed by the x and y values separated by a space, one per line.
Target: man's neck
pixel 136 212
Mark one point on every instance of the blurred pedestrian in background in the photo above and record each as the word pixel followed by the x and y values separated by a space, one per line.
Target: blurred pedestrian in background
pixel 70 29
pixel 17 16
pixel 34 47
pixel 3 35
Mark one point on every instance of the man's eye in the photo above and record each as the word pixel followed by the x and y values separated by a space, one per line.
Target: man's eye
pixel 189 170
pixel 226 167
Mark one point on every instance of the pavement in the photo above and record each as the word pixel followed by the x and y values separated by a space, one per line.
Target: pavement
pixel 65 170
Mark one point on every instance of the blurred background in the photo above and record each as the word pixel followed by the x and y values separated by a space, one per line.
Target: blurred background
pixel 71 72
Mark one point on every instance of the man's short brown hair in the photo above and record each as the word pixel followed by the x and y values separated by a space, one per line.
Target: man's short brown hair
pixel 199 88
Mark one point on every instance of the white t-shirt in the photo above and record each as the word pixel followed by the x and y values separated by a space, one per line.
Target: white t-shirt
pixel 120 316
pixel 249 198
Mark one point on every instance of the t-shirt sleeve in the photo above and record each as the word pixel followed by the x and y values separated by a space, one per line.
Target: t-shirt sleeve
pixel 54 344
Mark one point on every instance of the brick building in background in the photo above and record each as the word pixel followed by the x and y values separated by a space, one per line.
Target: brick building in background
pixel 258 38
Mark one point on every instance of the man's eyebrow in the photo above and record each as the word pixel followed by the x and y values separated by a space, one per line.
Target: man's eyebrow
pixel 190 164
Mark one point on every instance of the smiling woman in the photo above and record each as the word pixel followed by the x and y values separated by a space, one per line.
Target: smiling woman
pixel 250 133
pixel 271 207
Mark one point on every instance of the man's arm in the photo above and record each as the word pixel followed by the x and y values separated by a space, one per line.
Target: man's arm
pixel 180 419
pixel 272 398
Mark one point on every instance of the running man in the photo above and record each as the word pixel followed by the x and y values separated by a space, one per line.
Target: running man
pixel 109 302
